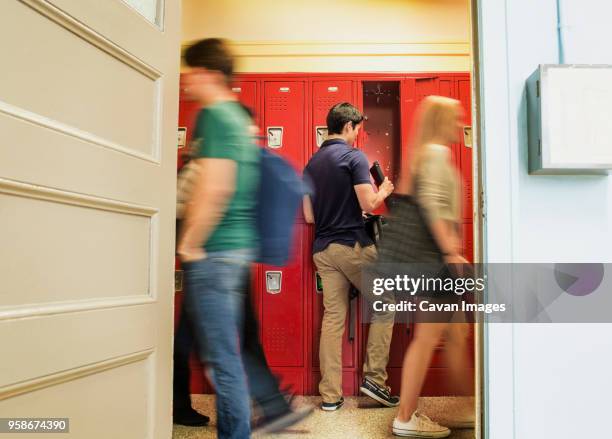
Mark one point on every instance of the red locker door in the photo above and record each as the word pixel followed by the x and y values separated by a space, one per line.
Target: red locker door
pixel 438 375
pixel 326 94
pixel 426 87
pixel 465 156
pixel 413 91
pixel 282 317
pixel 282 310
pixel 188 112
pixel 447 87
pixel 284 115
pixel 247 94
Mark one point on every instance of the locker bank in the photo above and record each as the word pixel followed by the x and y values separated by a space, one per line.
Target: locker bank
pixel 290 112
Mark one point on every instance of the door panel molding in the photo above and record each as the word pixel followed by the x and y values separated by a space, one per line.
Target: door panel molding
pixel 72 374
pixel 131 276
pixel 27 190
pixel 51 308
pixel 69 130
pixel 126 87
pixel 68 22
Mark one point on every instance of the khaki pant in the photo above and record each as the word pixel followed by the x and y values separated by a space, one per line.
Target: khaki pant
pixel 340 266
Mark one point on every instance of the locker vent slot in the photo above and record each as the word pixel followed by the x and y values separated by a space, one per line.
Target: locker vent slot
pixel 278 338
pixel 279 103
pixel 323 104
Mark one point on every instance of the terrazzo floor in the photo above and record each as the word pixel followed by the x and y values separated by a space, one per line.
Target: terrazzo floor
pixel 360 418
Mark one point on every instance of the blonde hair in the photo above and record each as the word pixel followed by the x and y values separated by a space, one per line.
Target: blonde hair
pixel 435 122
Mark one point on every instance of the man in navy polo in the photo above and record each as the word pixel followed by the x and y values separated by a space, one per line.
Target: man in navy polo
pixel 339 178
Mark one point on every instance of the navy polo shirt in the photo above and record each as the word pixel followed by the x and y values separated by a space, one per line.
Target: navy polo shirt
pixel 330 175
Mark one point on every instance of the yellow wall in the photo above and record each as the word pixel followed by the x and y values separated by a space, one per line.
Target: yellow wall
pixel 336 35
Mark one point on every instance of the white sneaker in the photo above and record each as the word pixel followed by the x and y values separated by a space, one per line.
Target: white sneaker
pixel 419 426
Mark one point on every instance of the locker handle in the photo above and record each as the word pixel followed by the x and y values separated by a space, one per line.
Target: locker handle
pixel 320 134
pixel 467 136
pixel 274 281
pixel 236 89
pixel 275 137
pixel 284 89
pixel 332 88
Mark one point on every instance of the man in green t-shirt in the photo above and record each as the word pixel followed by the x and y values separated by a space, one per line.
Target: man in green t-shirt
pixel 219 242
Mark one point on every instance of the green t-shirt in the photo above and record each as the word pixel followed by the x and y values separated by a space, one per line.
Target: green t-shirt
pixel 222 132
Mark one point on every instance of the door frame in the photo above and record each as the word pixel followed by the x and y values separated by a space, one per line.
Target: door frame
pixel 494 343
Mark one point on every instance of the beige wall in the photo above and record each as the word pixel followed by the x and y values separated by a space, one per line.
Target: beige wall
pixel 336 35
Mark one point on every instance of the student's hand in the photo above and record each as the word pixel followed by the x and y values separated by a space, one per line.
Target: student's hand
pixel 191 254
pixel 456 244
pixel 386 187
pixel 458 264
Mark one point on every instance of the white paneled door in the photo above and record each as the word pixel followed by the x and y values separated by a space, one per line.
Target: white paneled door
pixel 88 116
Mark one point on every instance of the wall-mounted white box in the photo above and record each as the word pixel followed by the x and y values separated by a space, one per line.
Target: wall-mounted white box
pixel 570 119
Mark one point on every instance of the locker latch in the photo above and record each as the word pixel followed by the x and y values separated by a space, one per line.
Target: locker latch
pixel 178 280
pixel 321 132
pixel 274 281
pixel 275 137
pixel 182 136
pixel 467 136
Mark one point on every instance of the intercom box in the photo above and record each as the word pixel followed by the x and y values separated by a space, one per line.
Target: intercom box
pixel 569 111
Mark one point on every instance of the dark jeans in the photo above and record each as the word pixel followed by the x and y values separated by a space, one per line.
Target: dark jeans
pixel 265 393
pixel 218 305
pixel 183 342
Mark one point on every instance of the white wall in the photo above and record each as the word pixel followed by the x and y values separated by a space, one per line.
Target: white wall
pixel 545 381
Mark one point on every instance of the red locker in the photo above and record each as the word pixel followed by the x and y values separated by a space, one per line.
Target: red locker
pixel 382 141
pixel 282 315
pixel 247 93
pixel 188 112
pixel 325 94
pixel 448 88
pixel 284 113
pixel 457 87
pixel 283 312
pixel 464 95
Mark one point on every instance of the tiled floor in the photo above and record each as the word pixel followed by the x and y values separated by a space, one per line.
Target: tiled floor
pixel 360 418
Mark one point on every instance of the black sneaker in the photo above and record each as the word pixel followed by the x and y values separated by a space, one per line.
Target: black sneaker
pixel 378 393
pixel 283 421
pixel 332 406
pixel 190 418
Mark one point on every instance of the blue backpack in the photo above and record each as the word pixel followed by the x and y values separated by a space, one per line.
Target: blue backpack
pixel 280 196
